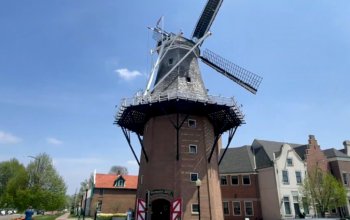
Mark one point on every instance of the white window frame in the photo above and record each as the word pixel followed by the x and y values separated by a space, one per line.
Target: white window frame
pixel 192 208
pixel 292 161
pixel 233 208
pixel 189 148
pixel 301 177
pixel 237 180
pixel 250 182
pixel 191 176
pixel 228 208
pixel 347 179
pixel 287 177
pixel 99 207
pixel 245 210
pixel 195 123
pixel 290 206
pixel 226 181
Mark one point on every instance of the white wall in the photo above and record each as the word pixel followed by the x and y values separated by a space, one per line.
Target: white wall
pixel 286 189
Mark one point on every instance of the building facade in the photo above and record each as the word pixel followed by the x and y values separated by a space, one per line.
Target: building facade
pixel 239 185
pixel 339 163
pixel 113 193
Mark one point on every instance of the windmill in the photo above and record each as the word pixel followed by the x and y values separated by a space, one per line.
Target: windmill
pixel 241 76
pixel 178 125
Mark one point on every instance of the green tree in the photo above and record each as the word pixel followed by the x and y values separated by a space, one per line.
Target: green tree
pixel 40 186
pixel 83 184
pixel 8 170
pixel 322 192
pixel 115 169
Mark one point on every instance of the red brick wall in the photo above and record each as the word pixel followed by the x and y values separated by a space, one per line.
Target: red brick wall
pixel 315 158
pixel 163 171
pixel 338 167
pixel 123 198
pixel 242 193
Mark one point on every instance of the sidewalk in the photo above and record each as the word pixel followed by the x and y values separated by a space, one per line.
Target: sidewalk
pixel 63 217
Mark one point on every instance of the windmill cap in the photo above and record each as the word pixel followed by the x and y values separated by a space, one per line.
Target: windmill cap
pixel 346 143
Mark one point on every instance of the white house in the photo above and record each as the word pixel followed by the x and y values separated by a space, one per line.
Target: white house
pixel 281 170
pixel 290 170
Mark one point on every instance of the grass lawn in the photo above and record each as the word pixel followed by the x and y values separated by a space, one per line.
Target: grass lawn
pixel 47 217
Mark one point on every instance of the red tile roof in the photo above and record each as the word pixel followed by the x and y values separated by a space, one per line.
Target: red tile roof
pixel 107 181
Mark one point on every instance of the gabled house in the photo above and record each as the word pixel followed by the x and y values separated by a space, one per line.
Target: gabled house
pixel 281 170
pixel 239 184
pixel 113 193
pixel 339 163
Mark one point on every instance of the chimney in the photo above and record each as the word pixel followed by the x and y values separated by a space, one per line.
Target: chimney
pixel 119 172
pixel 347 147
pixel 312 142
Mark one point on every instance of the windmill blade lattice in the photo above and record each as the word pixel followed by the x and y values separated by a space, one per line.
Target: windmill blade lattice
pixel 243 77
pixel 206 19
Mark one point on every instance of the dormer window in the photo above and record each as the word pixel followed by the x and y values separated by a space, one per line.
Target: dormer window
pixel 120 182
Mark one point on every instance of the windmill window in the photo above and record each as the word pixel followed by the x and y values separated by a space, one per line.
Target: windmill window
pixel 188 79
pixel 194 208
pixel 170 61
pixel 193 149
pixel 193 177
pixel 191 123
pixel 120 183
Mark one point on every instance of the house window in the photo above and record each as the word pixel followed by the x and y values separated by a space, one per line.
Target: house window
pixel 345 179
pixel 246 180
pixel 188 79
pixel 99 205
pixel 194 208
pixel 290 161
pixel 305 205
pixel 236 208
pixel 248 208
pixel 191 123
pixel 234 180
pixel 223 180
pixel 298 176
pixel 100 192
pixel 193 149
pixel 287 205
pixel 194 177
pixel 285 178
pixel 225 207
pixel 170 61
pixel 120 183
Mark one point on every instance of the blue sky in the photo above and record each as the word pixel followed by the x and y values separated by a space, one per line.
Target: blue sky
pixel 59 82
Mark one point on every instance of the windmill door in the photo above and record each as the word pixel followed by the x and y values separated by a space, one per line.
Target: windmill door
pixel 141 209
pixel 176 208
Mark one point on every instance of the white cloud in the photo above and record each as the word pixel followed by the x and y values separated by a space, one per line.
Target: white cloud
pixel 132 162
pixel 127 74
pixel 7 138
pixel 53 141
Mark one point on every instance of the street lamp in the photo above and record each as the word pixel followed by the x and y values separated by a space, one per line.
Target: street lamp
pixel 198 184
pixel 86 190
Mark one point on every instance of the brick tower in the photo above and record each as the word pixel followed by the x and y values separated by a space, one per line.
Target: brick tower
pixel 178 125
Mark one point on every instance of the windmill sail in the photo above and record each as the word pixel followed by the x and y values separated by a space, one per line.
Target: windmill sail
pixel 246 79
pixel 206 19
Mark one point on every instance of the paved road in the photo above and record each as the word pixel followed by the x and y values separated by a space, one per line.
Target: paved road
pixel 7 217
